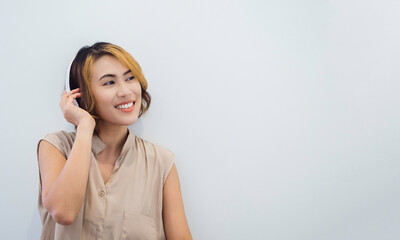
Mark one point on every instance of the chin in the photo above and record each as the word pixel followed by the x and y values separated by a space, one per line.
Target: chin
pixel 131 122
pixel 126 121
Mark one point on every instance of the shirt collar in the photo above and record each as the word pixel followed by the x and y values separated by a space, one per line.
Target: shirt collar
pixel 129 142
pixel 98 145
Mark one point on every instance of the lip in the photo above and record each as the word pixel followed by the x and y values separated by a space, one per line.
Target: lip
pixel 126 109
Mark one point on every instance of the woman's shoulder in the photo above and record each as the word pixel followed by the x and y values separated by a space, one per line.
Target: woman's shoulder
pixel 152 148
pixel 61 135
pixel 162 156
pixel 62 140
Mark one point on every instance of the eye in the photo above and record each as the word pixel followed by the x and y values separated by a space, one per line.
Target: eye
pixel 130 78
pixel 108 83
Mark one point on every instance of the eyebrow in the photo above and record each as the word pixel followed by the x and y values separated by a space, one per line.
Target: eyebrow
pixel 113 75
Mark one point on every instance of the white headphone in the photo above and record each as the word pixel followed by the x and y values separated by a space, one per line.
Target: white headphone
pixel 67 87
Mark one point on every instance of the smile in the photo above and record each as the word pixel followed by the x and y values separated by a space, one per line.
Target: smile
pixel 128 107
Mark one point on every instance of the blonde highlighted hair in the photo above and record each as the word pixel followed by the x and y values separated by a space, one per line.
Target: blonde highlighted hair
pixel 81 68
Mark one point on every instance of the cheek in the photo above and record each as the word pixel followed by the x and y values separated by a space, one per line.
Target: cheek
pixel 138 102
pixel 97 101
pixel 95 94
pixel 138 89
pixel 100 99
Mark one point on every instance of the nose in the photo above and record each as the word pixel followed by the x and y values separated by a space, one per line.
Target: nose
pixel 123 90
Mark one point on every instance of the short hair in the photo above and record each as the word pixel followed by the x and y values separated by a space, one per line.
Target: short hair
pixel 82 65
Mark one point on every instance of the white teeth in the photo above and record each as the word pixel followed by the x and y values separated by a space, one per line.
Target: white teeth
pixel 124 106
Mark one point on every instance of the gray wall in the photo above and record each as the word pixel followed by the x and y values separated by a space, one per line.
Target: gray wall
pixel 284 115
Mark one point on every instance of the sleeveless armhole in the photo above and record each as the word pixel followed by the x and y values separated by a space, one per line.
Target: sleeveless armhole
pixel 169 160
pixel 55 139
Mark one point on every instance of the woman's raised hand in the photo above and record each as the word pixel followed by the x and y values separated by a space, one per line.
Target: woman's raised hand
pixel 72 113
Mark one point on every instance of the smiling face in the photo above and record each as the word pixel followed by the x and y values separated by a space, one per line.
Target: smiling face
pixel 116 92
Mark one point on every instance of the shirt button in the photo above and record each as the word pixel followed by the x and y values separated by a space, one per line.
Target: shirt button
pixel 101 193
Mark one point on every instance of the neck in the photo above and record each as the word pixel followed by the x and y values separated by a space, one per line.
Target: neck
pixel 112 135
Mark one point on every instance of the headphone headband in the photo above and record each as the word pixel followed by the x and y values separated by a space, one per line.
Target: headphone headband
pixel 67 83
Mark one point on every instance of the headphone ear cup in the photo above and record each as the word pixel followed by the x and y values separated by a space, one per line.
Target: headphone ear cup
pixel 67 82
pixel 77 101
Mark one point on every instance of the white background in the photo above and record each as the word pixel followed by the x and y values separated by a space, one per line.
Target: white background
pixel 283 115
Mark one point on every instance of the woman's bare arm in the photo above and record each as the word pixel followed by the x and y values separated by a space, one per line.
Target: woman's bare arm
pixel 64 182
pixel 175 223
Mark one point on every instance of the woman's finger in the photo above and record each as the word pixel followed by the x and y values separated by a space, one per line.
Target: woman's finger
pixel 73 91
pixel 73 96
pixel 69 99
pixel 68 94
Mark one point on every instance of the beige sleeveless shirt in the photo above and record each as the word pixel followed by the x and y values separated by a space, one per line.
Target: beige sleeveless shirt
pixel 128 206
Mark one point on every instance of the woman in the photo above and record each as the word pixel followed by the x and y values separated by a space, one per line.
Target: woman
pixel 102 181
